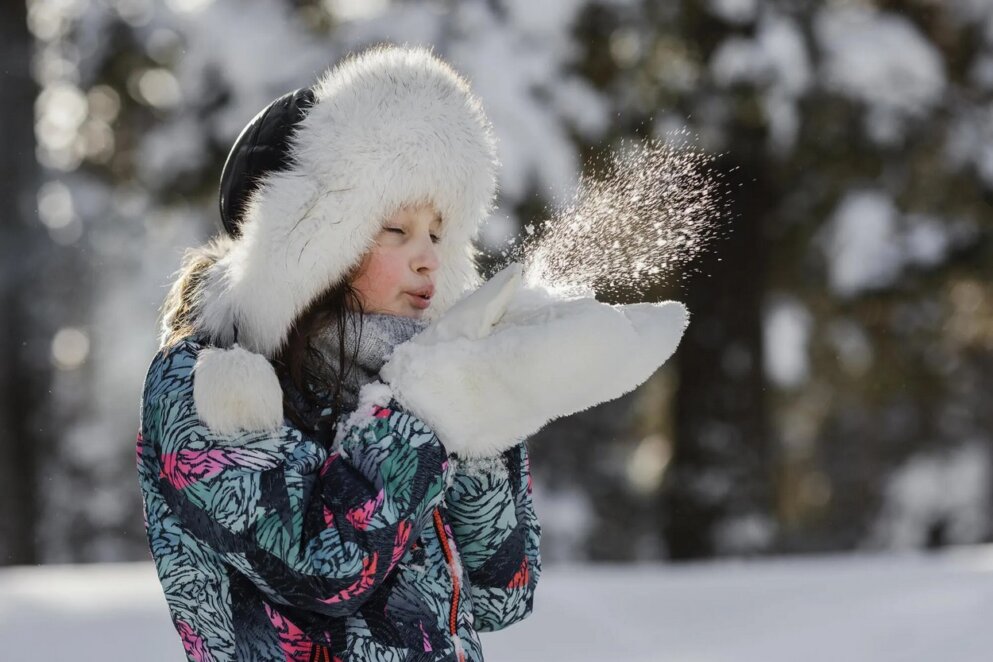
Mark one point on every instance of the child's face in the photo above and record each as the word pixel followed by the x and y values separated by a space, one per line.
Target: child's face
pixel 397 274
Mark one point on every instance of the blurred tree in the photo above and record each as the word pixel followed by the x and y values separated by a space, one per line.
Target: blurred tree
pixel 23 347
pixel 830 392
pixel 718 493
pixel 873 197
pixel 824 379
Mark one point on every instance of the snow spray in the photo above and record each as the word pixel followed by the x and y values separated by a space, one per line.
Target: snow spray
pixel 631 226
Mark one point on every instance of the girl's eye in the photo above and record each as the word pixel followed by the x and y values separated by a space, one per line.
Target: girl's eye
pixel 434 238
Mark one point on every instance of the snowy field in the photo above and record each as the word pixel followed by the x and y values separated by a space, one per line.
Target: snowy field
pixel 888 608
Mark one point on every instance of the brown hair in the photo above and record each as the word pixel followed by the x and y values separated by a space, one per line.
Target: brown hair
pixel 311 372
pixel 308 370
pixel 177 316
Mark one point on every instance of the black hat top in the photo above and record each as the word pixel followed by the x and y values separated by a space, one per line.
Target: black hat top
pixel 262 147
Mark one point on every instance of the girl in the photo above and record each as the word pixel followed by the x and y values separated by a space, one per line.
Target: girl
pixel 331 448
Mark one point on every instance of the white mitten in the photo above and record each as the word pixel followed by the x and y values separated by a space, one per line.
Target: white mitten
pixel 474 315
pixel 505 360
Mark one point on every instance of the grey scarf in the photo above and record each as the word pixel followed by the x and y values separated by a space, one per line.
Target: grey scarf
pixel 380 333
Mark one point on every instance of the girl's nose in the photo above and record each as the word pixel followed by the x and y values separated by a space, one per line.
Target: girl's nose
pixel 427 258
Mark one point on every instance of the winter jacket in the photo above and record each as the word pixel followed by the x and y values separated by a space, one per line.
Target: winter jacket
pixel 272 546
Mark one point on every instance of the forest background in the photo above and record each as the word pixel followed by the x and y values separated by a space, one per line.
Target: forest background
pixel 831 392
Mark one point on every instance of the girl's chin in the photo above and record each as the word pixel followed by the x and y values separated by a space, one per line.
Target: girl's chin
pixel 407 311
pixel 401 308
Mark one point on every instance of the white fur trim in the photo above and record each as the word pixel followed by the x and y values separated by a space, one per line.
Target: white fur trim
pixel 235 390
pixel 388 127
pixel 539 363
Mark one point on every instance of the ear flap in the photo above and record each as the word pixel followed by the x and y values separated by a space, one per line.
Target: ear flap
pixel 236 390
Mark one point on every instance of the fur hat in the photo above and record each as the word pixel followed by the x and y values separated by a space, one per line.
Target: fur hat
pixel 387 127
pixel 383 128
pixel 262 147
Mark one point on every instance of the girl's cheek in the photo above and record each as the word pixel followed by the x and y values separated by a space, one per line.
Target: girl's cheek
pixel 389 271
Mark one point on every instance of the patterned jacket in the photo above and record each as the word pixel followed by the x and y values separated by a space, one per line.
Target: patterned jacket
pixel 270 546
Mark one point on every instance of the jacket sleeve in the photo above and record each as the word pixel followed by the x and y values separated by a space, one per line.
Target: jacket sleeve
pixel 313 529
pixel 497 532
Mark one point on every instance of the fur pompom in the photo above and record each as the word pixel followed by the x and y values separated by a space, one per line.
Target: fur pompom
pixel 236 390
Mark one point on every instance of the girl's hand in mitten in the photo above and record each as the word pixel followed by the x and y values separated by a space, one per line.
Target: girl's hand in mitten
pixel 505 360
pixel 474 315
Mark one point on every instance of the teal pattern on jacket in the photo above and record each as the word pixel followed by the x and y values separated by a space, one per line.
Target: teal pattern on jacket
pixel 270 546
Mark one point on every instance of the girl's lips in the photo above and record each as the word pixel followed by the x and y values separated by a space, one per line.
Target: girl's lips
pixel 419 301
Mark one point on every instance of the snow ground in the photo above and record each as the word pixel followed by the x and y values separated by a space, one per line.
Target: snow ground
pixel 876 608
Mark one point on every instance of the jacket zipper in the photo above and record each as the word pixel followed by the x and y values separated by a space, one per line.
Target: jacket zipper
pixel 320 653
pixel 453 613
